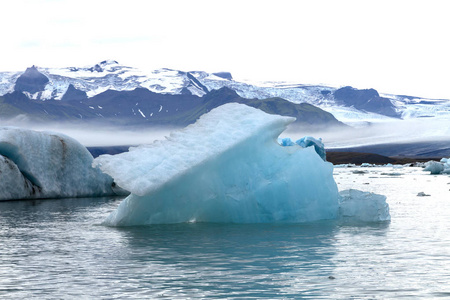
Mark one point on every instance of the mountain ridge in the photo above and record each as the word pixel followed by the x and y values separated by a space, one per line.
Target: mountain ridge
pixel 347 104
pixel 141 107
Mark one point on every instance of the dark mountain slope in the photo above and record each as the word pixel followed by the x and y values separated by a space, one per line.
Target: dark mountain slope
pixel 31 81
pixel 366 99
pixel 73 94
pixel 141 107
pixel 306 114
pixel 17 103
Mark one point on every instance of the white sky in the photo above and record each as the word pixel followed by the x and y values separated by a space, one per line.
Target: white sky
pixel 393 46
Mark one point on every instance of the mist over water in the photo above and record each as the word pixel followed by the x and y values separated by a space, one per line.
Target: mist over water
pixel 95 134
pixel 116 136
pixel 98 134
pixel 423 130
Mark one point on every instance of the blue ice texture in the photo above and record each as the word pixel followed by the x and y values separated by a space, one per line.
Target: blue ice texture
pixel 309 141
pixel 304 142
pixel 286 142
pixel 227 167
pixel 47 165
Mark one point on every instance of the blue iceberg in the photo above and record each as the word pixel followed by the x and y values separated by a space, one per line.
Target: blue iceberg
pixel 227 167
pixel 47 165
pixel 441 167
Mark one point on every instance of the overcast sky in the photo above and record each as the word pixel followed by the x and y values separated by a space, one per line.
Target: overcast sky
pixel 393 46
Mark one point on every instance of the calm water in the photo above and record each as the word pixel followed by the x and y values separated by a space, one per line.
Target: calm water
pixel 54 249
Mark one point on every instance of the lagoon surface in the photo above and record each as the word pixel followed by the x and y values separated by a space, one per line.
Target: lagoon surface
pixel 58 249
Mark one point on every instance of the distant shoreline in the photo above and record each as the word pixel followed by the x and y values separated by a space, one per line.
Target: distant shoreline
pixel 394 153
pixel 335 156
pixel 417 150
pixel 358 158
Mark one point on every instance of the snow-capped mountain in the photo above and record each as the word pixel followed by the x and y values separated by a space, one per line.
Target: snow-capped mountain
pixel 107 75
pixel 348 105
pixel 138 107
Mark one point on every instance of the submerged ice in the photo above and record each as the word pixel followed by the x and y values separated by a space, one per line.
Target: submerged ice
pixel 47 165
pixel 227 167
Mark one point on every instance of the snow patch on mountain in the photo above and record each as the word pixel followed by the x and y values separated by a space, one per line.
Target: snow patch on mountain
pixel 414 107
pixel 107 75
pixel 110 75
pixel 7 81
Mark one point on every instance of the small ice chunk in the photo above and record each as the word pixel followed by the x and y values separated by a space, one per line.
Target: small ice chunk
pixel 286 142
pixel 434 167
pixel 359 206
pixel 422 194
pixel 308 141
pixel 367 165
pixel 360 172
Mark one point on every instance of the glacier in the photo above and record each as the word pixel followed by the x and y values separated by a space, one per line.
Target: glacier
pixel 227 167
pixel 48 165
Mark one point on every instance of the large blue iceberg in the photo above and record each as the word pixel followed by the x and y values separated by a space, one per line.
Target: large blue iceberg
pixel 227 167
pixel 47 165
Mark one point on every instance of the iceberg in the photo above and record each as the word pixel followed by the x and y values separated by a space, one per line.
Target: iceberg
pixel 358 206
pixel 47 165
pixel 441 167
pixel 13 185
pixel 227 167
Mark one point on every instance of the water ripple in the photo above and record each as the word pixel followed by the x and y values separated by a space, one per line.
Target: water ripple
pixel 55 249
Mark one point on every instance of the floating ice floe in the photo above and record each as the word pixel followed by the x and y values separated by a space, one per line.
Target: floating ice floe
pixel 358 206
pixel 47 165
pixel 227 167
pixel 422 194
pixel 441 167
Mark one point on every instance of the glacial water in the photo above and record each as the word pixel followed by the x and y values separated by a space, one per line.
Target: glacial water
pixel 57 249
